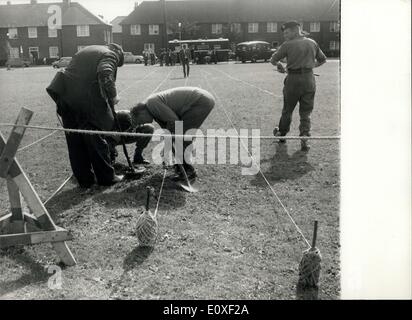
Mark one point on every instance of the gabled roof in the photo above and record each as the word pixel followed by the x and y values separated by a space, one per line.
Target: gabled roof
pixel 36 15
pixel 116 27
pixel 215 11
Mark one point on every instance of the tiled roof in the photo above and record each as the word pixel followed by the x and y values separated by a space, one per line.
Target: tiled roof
pixel 116 27
pixel 36 15
pixel 214 11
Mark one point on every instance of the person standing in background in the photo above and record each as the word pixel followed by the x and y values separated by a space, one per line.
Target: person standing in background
pixel 302 55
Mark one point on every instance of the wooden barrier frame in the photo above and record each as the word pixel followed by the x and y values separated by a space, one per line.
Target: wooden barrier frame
pixel 17 183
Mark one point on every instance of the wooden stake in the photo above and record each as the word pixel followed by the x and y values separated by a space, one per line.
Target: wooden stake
pixel 315 234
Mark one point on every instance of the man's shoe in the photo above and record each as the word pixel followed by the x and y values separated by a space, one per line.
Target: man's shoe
pixel 277 133
pixel 140 160
pixel 116 179
pixel 180 175
pixel 304 145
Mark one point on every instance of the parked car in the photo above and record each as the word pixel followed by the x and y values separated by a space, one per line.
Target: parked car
pixel 131 58
pixel 253 51
pixel 18 62
pixel 62 62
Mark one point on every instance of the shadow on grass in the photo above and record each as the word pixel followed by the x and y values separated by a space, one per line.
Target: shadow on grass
pixel 134 195
pixel 36 272
pixel 283 166
pixel 136 257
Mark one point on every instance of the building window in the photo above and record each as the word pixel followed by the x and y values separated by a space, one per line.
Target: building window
pixel 135 30
pixel 253 27
pixel 80 48
pixel 216 28
pixel 83 31
pixel 13 33
pixel 14 53
pixel 153 29
pixel 314 26
pixel 334 45
pixel 52 33
pixel 32 32
pixel 149 47
pixel 272 27
pixel 334 26
pixel 53 52
pixel 235 27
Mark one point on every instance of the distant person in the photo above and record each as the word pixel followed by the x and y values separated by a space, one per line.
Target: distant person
pixel 174 58
pixel 83 94
pixel 302 55
pixel 185 57
pixel 190 105
pixel 145 57
pixel 152 58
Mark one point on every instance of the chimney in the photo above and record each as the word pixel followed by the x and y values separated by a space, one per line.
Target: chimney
pixel 8 3
pixel 136 4
pixel 33 1
pixel 67 2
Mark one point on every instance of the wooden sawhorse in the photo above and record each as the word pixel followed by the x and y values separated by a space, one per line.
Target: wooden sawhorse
pixel 14 224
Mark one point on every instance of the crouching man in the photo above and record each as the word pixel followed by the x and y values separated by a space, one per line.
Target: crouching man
pixel 190 105
pixel 125 123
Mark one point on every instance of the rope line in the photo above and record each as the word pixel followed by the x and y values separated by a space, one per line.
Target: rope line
pixel 160 191
pixel 131 134
pixel 58 189
pixel 37 141
pixel 247 83
pixel 260 171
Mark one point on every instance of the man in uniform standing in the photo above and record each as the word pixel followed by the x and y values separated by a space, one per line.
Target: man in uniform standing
pixel 184 56
pixel 190 105
pixel 83 94
pixel 302 55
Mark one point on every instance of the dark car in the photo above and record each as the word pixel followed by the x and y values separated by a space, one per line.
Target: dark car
pixel 253 51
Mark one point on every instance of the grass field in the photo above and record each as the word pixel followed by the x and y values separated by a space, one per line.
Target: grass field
pixel 232 240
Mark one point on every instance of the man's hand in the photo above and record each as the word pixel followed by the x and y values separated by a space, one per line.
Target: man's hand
pixel 116 100
pixel 280 68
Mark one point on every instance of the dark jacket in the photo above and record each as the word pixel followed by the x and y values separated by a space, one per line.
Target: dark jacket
pixel 182 55
pixel 84 87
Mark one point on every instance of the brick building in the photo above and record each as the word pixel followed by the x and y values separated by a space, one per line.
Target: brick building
pixel 117 29
pixel 238 20
pixel 25 30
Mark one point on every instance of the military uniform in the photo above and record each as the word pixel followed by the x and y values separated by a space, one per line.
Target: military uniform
pixel 301 54
pixel 81 94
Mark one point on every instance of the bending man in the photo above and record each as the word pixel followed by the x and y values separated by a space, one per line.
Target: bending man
pixel 190 105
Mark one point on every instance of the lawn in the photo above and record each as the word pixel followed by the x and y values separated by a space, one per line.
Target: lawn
pixel 232 240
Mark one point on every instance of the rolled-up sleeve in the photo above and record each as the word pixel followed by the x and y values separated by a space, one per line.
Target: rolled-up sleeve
pixel 320 56
pixel 106 74
pixel 278 55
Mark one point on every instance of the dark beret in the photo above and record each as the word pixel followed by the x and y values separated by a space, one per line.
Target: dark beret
pixel 290 24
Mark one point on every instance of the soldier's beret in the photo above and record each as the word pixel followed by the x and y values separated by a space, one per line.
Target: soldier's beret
pixel 290 24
